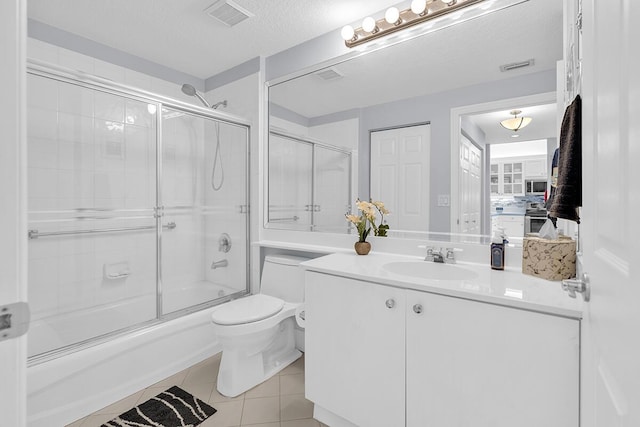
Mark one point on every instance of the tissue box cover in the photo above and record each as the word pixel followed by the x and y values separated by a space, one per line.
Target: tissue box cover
pixel 549 259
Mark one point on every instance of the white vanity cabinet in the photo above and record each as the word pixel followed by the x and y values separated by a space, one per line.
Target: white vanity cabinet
pixel 354 349
pixel 379 355
pixel 475 364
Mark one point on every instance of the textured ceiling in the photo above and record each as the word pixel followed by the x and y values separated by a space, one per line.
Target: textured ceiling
pixel 178 34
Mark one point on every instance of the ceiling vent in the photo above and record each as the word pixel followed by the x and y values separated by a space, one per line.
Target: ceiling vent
pixel 329 74
pixel 228 12
pixel 516 65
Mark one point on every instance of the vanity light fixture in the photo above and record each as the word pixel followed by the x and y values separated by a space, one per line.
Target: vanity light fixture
pixel 392 16
pixel 419 7
pixel 396 20
pixel 515 123
pixel 369 25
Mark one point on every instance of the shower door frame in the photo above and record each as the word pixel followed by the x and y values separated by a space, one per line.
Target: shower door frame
pixel 65 75
pixel 270 223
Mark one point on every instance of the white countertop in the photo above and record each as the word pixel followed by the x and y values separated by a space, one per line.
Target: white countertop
pixel 508 287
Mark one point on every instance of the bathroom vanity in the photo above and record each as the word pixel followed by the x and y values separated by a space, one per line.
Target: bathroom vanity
pixel 398 341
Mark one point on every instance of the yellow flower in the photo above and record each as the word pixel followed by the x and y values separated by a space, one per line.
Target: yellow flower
pixel 367 209
pixel 353 218
pixel 381 207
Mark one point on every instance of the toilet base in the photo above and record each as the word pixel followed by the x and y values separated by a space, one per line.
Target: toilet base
pixel 257 358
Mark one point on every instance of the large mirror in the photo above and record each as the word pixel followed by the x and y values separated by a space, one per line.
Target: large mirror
pixel 391 110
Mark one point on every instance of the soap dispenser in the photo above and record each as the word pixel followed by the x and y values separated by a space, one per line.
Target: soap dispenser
pixel 497 250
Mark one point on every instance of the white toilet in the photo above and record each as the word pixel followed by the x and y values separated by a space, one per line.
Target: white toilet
pixel 257 331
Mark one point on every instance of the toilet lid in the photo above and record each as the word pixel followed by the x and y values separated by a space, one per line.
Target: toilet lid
pixel 247 310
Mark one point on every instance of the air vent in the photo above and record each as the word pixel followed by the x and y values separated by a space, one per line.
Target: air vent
pixel 329 74
pixel 516 65
pixel 228 12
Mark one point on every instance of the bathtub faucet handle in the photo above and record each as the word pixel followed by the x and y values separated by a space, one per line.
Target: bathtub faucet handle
pixel 224 243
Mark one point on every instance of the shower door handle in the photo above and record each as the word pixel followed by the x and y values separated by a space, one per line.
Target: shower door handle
pixel 14 320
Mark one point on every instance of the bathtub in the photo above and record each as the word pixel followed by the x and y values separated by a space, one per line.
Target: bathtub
pixel 62 390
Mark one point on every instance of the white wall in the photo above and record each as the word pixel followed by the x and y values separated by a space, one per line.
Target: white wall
pixel 344 133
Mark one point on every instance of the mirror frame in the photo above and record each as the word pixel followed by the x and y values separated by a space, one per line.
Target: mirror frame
pixel 455 115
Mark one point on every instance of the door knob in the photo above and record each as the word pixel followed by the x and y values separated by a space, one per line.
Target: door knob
pixel 578 285
pixel 390 303
pixel 417 308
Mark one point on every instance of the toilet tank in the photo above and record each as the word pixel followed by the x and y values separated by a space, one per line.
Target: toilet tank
pixel 283 278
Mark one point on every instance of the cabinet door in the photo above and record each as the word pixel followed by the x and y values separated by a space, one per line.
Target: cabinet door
pixel 354 341
pixel 482 365
pixel 513 225
pixel 536 168
pixel 495 179
pixel 513 179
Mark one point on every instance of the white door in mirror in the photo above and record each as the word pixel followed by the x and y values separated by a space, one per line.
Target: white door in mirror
pixel 400 163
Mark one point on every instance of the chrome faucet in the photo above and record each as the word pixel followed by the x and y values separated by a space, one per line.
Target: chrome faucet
pixel 441 256
pixel 434 255
pixel 218 264
pixel 450 257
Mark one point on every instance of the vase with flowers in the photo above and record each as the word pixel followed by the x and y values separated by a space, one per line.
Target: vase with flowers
pixel 365 221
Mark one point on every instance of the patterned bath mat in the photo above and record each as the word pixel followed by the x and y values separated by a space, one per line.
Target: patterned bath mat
pixel 172 408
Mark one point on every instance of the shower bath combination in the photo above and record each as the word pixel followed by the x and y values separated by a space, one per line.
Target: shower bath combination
pixel 188 89
pixel 100 332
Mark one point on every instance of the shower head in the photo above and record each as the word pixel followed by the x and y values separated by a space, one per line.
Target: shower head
pixel 187 89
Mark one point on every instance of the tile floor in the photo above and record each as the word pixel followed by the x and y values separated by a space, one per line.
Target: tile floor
pixel 278 402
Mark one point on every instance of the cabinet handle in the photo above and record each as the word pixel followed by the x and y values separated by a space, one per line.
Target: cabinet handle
pixel 417 308
pixel 390 303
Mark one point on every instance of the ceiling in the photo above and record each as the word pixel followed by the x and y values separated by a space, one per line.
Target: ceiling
pixel 543 126
pixel 179 35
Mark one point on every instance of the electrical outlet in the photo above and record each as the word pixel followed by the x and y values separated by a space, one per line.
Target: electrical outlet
pixel 444 200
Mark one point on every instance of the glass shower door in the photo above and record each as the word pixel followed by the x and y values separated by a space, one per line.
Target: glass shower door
pixel 290 183
pixel 91 197
pixel 204 193
pixel 332 169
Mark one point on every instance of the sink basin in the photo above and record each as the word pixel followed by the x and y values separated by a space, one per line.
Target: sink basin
pixel 429 270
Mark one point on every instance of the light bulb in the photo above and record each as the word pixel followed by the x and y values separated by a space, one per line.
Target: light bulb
pixel 151 108
pixel 369 25
pixel 418 6
pixel 392 16
pixel 347 32
pixel 449 2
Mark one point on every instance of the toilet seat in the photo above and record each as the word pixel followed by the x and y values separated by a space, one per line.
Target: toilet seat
pixel 247 310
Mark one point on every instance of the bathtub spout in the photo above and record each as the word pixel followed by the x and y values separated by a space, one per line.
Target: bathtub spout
pixel 218 264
